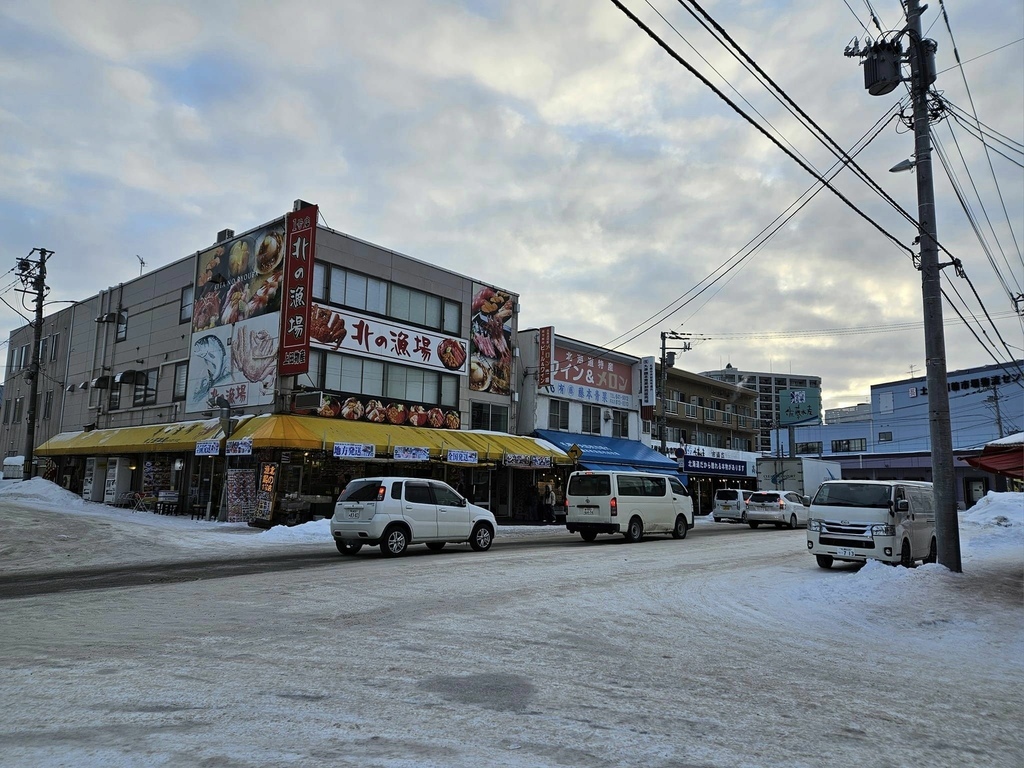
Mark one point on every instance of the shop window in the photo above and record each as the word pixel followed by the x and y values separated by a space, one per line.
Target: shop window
pixel 180 381
pixel 885 437
pixel 591 420
pixel 620 424
pixel 185 306
pixel 145 388
pixel 558 415
pixel 488 416
pixel 48 404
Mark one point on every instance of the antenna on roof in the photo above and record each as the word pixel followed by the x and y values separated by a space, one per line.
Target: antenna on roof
pixel 142 264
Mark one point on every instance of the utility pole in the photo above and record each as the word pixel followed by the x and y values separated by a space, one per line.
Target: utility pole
pixel 33 273
pixel 882 74
pixel 668 359
pixel 994 399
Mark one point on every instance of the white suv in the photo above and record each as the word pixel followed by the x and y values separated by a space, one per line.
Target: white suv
pixel 395 512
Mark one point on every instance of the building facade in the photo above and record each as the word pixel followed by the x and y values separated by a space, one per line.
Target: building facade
pixel 772 409
pixel 295 354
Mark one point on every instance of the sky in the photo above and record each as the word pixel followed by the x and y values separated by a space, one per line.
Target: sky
pixel 547 147
pixel 116 677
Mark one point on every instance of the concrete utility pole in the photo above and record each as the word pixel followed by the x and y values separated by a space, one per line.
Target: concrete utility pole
pixel 947 530
pixel 34 273
pixel 668 359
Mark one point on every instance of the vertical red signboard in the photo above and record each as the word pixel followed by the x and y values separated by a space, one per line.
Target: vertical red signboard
pixel 546 360
pixel 296 304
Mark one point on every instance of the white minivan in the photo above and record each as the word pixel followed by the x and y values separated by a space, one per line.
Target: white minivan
pixel 858 520
pixel 630 503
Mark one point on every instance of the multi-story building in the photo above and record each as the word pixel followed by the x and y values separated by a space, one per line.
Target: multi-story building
pixel 771 410
pixel 296 353
pixel 859 412
pixel 894 441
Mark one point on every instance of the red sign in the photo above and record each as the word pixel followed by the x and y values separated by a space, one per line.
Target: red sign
pixel 296 304
pixel 592 371
pixel 546 361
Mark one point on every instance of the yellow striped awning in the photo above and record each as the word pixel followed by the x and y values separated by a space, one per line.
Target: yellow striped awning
pixel 152 438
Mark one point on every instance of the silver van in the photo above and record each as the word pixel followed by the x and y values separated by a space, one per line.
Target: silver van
pixel 630 503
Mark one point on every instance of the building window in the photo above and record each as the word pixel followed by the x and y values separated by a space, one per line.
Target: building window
pixel 452 320
pixel 185 307
pixel 849 446
pixel 709 414
pixel 313 378
pixel 180 379
pixel 591 420
pixel 19 403
pixel 808 448
pixel 54 345
pixel 689 411
pixel 43 344
pixel 356 290
pixel 7 411
pixel 487 416
pixel 620 424
pixel 885 437
pixel 558 415
pixel 48 404
pixel 320 281
pixel 114 397
pixel 122 325
pixel 145 388
pixel 345 373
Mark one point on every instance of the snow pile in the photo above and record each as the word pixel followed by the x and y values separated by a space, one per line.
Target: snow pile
pixel 1002 509
pixel 41 492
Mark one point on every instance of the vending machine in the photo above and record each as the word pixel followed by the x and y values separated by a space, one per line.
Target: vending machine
pixel 95 478
pixel 119 479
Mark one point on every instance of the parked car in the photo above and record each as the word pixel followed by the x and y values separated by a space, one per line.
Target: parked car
pixel 396 512
pixel 731 505
pixel 778 507
pixel 633 504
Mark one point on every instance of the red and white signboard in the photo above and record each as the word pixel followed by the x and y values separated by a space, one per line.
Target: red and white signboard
pixel 296 304
pixel 546 362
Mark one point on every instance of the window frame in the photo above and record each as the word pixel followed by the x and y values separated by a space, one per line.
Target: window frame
pixel 558 414
pixel 185 308
pixel 178 393
pixel 591 414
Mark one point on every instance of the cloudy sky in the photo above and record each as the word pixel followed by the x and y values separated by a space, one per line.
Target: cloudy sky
pixel 546 146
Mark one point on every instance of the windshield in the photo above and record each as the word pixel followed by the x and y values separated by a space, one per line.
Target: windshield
pixel 853 495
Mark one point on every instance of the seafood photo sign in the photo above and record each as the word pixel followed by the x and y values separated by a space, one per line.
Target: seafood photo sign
pixel 236 320
pixel 490 364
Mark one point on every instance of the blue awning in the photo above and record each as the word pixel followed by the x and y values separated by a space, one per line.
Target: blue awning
pixel 597 466
pixel 627 454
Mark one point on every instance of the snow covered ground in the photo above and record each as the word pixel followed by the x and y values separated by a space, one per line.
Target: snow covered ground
pixel 730 648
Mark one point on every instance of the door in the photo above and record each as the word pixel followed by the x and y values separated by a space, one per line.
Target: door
pixel 904 523
pixel 796 507
pixel 419 510
pixel 452 513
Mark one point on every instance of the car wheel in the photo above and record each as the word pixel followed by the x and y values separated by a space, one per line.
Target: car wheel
pixel 635 532
pixel 792 522
pixel 394 543
pixel 777 525
pixel 679 532
pixel 824 561
pixel 753 524
pixel 348 547
pixel 588 535
pixel 906 556
pixel 481 538
pixel 435 546
pixel 718 519
pixel 933 554
pixel 743 517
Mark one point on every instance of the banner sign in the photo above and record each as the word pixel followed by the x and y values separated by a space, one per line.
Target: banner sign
pixel 342 330
pixel 241 447
pixel 546 361
pixel 354 451
pixel 591 378
pixel 241 495
pixel 491 322
pixel 462 457
pixel 702 465
pixel 799 406
pixel 296 307
pixel 411 453
pixel 208 448
pixel 526 461
pixel 648 388
pixel 265 491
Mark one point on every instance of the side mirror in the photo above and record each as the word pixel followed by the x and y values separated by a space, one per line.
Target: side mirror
pixel 902 505
pixel 462 501
pixel 806 500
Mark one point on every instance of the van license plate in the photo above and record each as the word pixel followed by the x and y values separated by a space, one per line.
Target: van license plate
pixel 845 552
pixel 587 510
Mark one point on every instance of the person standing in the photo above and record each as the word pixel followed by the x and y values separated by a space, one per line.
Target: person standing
pixel 548 506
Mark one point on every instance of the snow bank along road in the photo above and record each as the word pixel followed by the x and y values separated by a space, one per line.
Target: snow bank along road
pixel 718 650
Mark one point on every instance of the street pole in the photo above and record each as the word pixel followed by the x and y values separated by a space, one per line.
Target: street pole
pixel 39 288
pixel 662 383
pixel 947 531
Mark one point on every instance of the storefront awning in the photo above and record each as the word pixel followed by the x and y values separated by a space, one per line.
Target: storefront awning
pixel 154 438
pixel 1002 457
pixel 313 433
pixel 631 454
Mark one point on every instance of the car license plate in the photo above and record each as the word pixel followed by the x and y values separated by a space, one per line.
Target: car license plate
pixel 587 510
pixel 353 514
pixel 846 552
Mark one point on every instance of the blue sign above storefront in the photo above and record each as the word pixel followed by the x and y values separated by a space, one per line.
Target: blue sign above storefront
pixel 705 465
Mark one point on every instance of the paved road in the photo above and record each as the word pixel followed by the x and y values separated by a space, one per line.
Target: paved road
pixel 717 650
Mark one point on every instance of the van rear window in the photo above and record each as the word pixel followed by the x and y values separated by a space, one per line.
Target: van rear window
pixel 360 490
pixel 589 485
pixel 727 494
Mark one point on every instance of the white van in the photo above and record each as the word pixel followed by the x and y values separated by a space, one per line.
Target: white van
pixel 857 520
pixel 630 503
pixel 731 505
